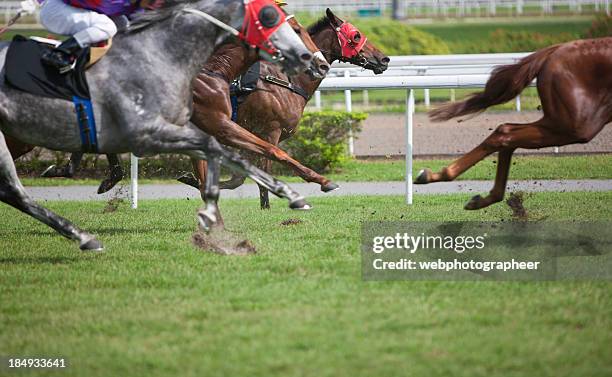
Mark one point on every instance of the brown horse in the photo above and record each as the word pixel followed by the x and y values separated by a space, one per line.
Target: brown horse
pixel 574 81
pixel 212 109
pixel 273 110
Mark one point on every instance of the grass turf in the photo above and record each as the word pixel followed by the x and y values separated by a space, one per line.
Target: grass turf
pixel 154 305
pixel 523 168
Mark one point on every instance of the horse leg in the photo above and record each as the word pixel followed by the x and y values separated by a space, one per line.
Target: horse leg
pixel 266 165
pixel 211 215
pixel 505 139
pixel 66 171
pixel 496 194
pixel 195 143
pixel 230 133
pixel 233 183
pixel 13 193
pixel 192 178
pixel 115 176
pixel 239 165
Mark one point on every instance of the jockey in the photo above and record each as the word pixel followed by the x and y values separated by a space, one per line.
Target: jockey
pixel 87 22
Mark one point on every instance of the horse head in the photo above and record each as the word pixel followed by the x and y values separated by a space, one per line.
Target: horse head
pixel 352 46
pixel 319 65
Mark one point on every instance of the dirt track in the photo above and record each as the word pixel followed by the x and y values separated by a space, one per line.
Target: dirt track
pixel 384 135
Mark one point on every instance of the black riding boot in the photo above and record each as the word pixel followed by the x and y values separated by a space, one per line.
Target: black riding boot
pixel 62 57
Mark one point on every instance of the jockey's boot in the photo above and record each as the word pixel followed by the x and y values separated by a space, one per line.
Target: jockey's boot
pixel 63 57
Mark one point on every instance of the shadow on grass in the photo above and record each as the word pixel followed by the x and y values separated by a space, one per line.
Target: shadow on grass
pixel 114 231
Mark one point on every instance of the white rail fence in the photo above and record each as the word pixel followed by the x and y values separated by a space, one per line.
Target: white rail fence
pixel 453 8
pixel 415 8
pixel 405 72
pixel 416 72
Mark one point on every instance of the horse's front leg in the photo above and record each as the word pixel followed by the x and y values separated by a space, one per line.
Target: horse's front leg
pixel 162 137
pixel 13 193
pixel 210 215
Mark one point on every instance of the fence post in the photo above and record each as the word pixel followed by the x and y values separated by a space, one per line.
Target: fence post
pixel 318 100
pixel 452 95
pixel 134 180
pixel 426 97
pixel 518 103
pixel 366 98
pixel 409 123
pixel 348 101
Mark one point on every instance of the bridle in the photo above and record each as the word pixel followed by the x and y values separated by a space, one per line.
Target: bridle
pixel 351 42
pixel 262 18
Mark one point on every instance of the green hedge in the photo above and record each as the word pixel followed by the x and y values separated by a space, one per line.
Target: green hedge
pixel 397 38
pixel 601 27
pixel 322 137
pixel 392 37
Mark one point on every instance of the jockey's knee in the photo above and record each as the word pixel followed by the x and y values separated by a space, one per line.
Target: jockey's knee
pixel 107 26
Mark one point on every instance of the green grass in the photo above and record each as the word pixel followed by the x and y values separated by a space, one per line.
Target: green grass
pixel 523 168
pixel 154 305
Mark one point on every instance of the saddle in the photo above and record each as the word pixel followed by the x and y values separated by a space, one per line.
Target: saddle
pixel 247 84
pixel 25 71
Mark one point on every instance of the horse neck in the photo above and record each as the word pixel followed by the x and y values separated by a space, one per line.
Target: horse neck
pixel 327 41
pixel 231 60
pixel 181 41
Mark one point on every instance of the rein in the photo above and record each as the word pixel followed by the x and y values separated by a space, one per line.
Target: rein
pixel 213 20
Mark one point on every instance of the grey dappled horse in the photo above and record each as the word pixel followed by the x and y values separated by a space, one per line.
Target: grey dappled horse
pixel 141 93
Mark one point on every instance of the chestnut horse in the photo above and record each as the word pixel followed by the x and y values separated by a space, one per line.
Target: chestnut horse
pixel 574 81
pixel 273 111
pixel 212 110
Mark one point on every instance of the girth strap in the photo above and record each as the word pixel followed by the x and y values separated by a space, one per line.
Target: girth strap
pixel 87 124
pixel 286 84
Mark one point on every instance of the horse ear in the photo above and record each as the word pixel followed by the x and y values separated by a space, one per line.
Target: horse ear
pixel 332 17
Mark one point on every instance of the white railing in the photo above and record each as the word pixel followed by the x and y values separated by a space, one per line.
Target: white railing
pixel 408 73
pixel 416 72
pixel 417 8
pixel 454 8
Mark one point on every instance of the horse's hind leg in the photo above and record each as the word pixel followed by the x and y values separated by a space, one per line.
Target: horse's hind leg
pixel 66 171
pixel 499 188
pixel 505 139
pixel 459 166
pixel 13 193
pixel 115 173
pixel 233 183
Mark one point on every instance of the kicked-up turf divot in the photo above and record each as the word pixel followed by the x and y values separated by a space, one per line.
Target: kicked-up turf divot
pixel 222 242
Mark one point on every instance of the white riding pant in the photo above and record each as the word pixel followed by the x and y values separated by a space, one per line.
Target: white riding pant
pixel 86 26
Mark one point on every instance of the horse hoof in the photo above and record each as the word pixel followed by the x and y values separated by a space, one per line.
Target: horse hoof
pixel 330 186
pixel 106 186
pixel 474 203
pixel 92 245
pixel 206 221
pixel 190 180
pixel 300 204
pixel 49 172
pixel 423 176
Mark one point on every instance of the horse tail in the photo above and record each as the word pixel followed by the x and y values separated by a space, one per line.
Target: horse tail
pixel 506 82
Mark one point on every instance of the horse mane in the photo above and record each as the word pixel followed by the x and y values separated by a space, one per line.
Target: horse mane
pixel 321 24
pixel 152 16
